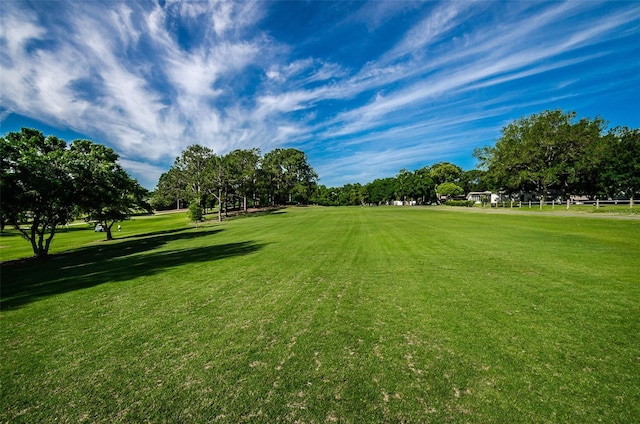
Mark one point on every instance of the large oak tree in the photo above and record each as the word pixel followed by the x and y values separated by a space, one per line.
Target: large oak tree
pixel 44 183
pixel 104 192
pixel 542 152
pixel 36 186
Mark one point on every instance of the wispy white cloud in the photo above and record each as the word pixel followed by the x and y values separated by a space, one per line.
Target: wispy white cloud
pixel 432 28
pixel 150 79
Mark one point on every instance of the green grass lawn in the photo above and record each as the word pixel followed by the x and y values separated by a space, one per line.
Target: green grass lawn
pixel 327 315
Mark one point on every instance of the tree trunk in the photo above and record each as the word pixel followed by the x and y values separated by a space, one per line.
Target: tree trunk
pixel 47 243
pixel 219 205
pixel 32 239
pixel 107 228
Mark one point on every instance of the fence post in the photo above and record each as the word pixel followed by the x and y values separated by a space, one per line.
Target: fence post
pixel 568 204
pixel 529 204
pixel 597 203
pixel 553 204
pixel 540 204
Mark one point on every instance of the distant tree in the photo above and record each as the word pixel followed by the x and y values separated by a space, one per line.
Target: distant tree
pixel 104 192
pixel 36 186
pixel 449 189
pixel 381 190
pixel 443 172
pixel 290 177
pixel 323 196
pixel 542 152
pixel 473 180
pixel 243 169
pixel 219 177
pixel 171 189
pixel 351 195
pixel 621 167
pixel 405 185
pixel 424 188
pixel 193 167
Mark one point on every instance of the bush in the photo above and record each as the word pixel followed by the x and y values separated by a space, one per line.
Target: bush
pixel 467 203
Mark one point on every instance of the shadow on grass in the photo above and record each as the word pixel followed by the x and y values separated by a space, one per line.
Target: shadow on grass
pixel 237 214
pixel 6 233
pixel 26 281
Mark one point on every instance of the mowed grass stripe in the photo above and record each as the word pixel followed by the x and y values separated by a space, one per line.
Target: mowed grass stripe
pixel 331 314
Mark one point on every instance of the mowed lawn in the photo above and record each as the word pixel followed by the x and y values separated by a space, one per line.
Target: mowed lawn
pixel 320 315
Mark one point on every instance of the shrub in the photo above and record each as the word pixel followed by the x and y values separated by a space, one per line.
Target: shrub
pixel 195 212
pixel 467 203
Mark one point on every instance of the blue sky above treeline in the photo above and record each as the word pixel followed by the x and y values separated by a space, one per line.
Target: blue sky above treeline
pixel 364 88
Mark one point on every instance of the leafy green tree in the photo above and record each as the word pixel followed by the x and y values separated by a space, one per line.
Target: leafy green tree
pixel 243 168
pixel 405 185
pixel 621 169
pixel 424 186
pixel 219 174
pixel 104 192
pixel 542 152
pixel 473 180
pixel 195 212
pixel 449 189
pixel 324 196
pixel 381 190
pixel 289 176
pixel 170 190
pixel 443 172
pixel 36 186
pixel 193 167
pixel 351 195
pixel 43 184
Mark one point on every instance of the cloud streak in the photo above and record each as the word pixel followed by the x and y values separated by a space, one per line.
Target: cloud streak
pixel 421 82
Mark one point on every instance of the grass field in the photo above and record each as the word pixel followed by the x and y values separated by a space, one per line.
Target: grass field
pixel 327 315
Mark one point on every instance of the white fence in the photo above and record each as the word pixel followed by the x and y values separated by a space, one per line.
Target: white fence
pixel 566 204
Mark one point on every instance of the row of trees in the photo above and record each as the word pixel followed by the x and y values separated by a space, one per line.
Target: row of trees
pixel 423 186
pixel 542 155
pixel 239 179
pixel 554 154
pixel 45 183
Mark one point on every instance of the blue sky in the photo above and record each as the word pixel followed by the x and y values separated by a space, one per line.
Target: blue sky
pixel 364 88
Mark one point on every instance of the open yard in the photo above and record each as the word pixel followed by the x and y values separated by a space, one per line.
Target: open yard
pixel 327 315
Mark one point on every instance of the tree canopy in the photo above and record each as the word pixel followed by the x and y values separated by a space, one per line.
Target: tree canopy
pixel 282 176
pixel 555 154
pixel 36 186
pixel 45 184
pixel 105 193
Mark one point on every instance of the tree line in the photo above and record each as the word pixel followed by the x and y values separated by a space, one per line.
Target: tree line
pixel 240 179
pixel 429 184
pixel 46 183
pixel 550 154
pixel 202 179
